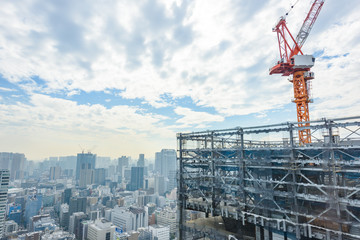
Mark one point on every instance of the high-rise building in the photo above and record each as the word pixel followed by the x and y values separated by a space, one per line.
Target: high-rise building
pixel 64 216
pixel 75 224
pixel 172 182
pixel 77 204
pixel 33 205
pixel 99 176
pixel 5 160
pixel 158 162
pixel 87 177
pixel 4 185
pixel 141 161
pixel 127 174
pixel 165 161
pixel 14 162
pixel 84 161
pixel 101 229
pixel 137 178
pixel 159 185
pixel 54 173
pixel 66 195
pixel 123 162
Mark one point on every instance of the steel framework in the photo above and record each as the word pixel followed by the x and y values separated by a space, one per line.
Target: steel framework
pixel 303 191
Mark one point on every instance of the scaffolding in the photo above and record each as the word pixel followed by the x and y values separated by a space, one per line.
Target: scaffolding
pixel 263 176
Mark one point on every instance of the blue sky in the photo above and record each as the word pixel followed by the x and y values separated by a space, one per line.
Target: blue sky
pixel 126 76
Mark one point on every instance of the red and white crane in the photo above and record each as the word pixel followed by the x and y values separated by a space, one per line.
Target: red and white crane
pixel 294 62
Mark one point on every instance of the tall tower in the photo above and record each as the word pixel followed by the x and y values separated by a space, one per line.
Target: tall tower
pixel 137 178
pixel 4 185
pixel 85 161
pixel 15 162
pixel 141 161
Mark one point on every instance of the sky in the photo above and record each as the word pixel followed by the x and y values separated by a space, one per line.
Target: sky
pixel 122 77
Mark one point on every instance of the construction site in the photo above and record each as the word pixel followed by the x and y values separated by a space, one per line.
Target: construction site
pixel 277 187
pixel 294 180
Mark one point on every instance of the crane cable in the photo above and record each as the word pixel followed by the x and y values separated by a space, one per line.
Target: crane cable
pixel 292 6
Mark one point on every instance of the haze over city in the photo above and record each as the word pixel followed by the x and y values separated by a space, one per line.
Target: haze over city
pixel 179 120
pixel 123 77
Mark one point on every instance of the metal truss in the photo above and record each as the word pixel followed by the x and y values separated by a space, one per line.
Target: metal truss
pixel 310 191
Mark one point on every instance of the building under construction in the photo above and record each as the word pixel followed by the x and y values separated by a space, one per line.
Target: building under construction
pixel 263 183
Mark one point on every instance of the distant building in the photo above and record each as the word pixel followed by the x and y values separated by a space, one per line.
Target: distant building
pixel 127 174
pixel 14 162
pixel 165 161
pixel 84 161
pixel 160 185
pixel 66 195
pixel 101 229
pixel 141 161
pixel 55 173
pixel 99 176
pixel 165 165
pixel 33 206
pixel 68 162
pixel 172 183
pixel 64 216
pixel 137 178
pixel 48 200
pixel 87 177
pixel 122 163
pixel 77 204
pixel 159 232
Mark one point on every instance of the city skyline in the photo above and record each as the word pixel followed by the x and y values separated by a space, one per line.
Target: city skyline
pixel 126 76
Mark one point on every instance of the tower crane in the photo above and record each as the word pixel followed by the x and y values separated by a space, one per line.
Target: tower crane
pixel 294 62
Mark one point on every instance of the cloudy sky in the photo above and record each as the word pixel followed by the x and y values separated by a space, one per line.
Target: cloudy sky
pixel 123 77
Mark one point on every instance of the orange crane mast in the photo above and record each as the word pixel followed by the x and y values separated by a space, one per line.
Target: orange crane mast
pixel 298 65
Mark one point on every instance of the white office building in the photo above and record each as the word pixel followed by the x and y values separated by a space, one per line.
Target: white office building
pixel 167 217
pixel 159 232
pixel 129 219
pixel 101 229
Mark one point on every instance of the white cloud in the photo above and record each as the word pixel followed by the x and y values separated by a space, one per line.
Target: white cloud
pixel 6 89
pixel 143 49
pixel 195 119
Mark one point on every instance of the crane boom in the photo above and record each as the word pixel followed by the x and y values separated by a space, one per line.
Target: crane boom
pixel 307 26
